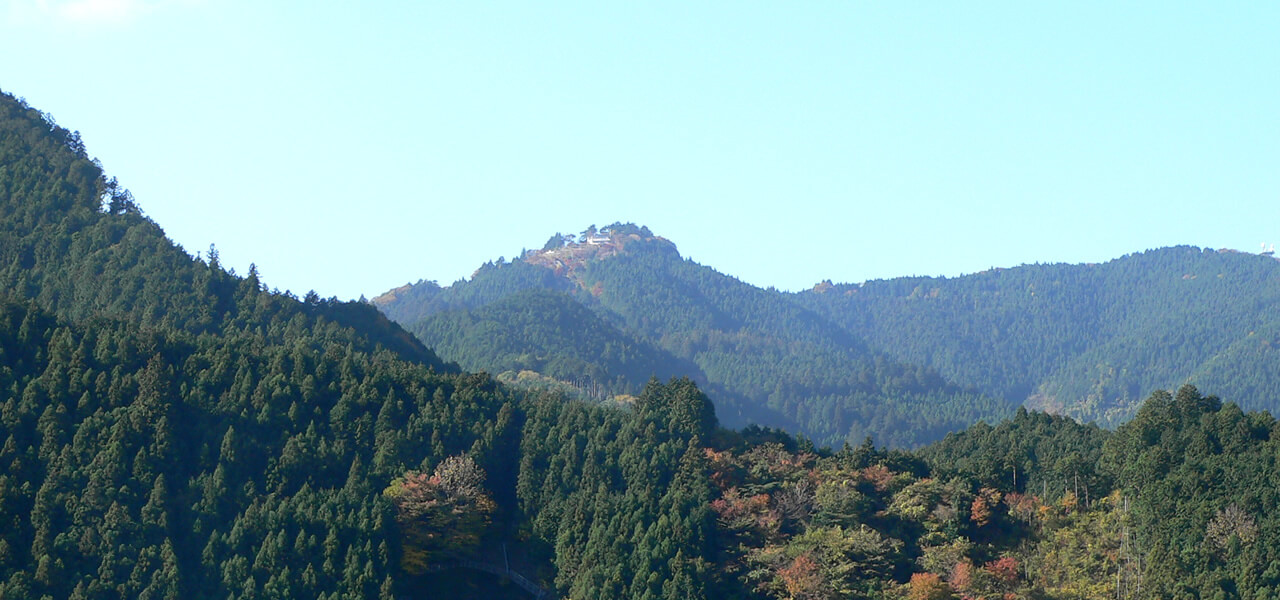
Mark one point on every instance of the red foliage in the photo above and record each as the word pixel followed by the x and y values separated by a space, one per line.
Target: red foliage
pixel 1023 507
pixel 421 493
pixel 878 476
pixel 750 513
pixel 440 514
pixel 1004 569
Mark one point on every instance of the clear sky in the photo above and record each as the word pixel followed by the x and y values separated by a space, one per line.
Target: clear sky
pixel 349 147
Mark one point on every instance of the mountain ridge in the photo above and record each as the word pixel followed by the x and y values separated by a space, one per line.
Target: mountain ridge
pixel 1069 338
pixel 755 348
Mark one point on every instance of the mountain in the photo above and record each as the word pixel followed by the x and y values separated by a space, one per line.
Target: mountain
pixel 1090 341
pixel 763 357
pixel 904 360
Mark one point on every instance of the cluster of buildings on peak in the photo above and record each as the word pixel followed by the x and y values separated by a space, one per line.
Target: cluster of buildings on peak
pixel 603 236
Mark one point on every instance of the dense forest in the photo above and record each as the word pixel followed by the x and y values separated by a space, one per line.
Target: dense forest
pixel 173 430
pixel 169 429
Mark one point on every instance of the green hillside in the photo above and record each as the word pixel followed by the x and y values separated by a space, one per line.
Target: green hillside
pixel 171 430
pixel 77 244
pixel 1089 341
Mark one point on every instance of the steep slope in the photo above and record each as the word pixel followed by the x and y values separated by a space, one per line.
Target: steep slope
pixel 172 430
pixel 78 245
pixel 1086 340
pixel 763 358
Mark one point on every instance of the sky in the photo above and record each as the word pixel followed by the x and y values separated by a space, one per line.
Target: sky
pixel 349 148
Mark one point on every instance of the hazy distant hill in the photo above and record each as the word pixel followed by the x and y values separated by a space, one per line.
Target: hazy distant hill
pixel 1091 341
pixel 907 359
pixel 762 356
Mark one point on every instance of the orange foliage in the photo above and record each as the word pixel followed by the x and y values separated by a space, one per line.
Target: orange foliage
pixel 800 460
pixel 927 586
pixel 961 576
pixel 725 472
pixel 980 510
pixel 750 513
pixel 1069 503
pixel 803 578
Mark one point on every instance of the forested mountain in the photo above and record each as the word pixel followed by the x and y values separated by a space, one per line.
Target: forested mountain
pixel 904 360
pixel 172 430
pixel 1089 341
pixel 762 356
pixel 78 245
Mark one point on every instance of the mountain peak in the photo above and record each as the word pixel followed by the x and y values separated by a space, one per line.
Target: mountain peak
pixel 565 252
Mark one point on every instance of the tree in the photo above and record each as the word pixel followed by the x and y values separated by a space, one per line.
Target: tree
pixel 928 586
pixel 1230 526
pixel 440 515
pixel 680 405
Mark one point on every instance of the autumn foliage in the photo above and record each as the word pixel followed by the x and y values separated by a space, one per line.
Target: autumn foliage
pixel 802 578
pixel 927 586
pixel 983 504
pixel 442 514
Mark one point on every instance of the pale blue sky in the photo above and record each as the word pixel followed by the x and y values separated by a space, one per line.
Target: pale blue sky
pixel 352 147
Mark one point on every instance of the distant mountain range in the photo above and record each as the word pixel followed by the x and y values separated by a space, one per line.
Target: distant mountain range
pixel 903 360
